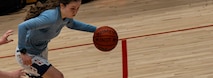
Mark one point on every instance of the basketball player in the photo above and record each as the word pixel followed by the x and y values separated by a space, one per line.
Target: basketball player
pixel 14 74
pixel 37 30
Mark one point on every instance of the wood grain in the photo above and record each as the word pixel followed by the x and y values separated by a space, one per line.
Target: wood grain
pixel 182 54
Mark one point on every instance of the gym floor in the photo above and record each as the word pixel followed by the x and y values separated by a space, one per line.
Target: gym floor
pixel 165 39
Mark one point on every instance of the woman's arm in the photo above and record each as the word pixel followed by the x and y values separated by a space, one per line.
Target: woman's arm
pixel 77 25
pixel 32 24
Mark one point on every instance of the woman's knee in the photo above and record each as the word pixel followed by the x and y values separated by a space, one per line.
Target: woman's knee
pixel 52 72
pixel 59 75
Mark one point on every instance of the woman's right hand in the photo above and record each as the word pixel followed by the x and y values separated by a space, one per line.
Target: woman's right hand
pixel 27 60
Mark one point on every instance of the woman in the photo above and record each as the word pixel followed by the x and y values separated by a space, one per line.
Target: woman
pixel 14 74
pixel 36 31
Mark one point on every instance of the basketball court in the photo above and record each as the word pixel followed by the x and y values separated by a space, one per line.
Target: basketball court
pixel 164 39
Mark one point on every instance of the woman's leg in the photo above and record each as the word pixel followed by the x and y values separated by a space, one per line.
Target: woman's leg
pixel 52 72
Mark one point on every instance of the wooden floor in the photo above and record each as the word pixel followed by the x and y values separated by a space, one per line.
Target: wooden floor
pixel 165 39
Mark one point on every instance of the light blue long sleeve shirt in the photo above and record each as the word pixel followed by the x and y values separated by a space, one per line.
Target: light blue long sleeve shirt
pixel 35 34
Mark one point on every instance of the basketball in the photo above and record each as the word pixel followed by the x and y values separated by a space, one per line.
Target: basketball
pixel 105 38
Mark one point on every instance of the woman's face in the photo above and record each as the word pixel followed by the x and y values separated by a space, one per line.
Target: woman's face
pixel 70 10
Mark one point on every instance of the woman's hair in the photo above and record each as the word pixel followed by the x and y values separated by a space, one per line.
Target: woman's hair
pixel 39 7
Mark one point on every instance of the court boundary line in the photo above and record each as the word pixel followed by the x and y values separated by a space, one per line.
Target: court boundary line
pixel 146 35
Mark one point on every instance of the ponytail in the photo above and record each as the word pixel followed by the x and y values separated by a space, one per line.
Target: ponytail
pixel 39 7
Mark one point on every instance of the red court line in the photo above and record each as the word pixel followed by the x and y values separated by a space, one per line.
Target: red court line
pixel 124 59
pixel 192 28
pixel 70 46
pixel 186 29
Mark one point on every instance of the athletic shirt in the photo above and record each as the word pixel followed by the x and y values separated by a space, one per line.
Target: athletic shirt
pixel 35 34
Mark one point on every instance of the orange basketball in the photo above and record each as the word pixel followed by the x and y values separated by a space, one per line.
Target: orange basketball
pixel 105 38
